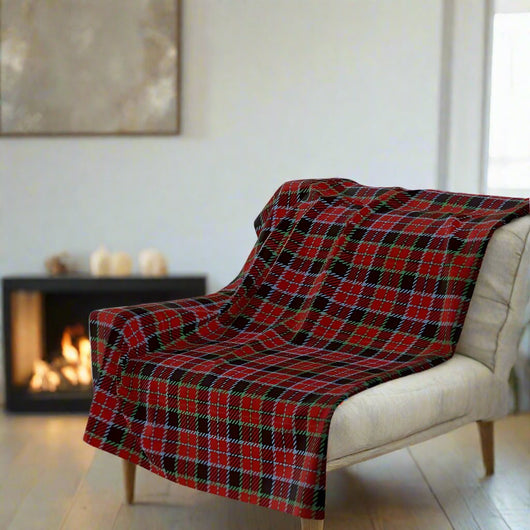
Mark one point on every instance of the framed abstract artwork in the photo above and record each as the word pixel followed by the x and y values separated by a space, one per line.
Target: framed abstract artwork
pixel 89 67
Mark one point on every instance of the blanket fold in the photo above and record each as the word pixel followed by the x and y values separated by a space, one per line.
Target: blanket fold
pixel 346 287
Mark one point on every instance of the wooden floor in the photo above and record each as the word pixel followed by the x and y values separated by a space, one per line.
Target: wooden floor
pixel 51 480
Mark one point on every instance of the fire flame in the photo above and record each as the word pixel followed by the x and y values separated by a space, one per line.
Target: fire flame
pixel 44 378
pixel 73 366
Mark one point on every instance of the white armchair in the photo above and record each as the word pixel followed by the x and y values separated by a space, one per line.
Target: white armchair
pixel 471 386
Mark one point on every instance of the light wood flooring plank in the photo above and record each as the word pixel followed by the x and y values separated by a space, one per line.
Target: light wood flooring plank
pixel 509 488
pixel 52 480
pixel 99 496
pixel 44 477
pixel 452 465
pixel 387 492
pixel 26 441
pixel 184 508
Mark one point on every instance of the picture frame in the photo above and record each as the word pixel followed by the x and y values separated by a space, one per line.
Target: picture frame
pixel 97 67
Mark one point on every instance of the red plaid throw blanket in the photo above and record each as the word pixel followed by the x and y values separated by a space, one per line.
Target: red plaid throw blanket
pixel 348 286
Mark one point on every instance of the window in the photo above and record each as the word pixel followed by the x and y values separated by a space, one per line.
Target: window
pixel 509 130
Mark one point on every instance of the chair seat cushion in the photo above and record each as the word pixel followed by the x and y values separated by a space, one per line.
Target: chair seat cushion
pixel 460 387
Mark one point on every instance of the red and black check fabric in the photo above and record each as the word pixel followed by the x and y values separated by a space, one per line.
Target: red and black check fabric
pixel 348 286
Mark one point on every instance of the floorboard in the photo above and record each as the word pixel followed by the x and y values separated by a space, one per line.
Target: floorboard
pixel 39 484
pixel 52 480
pixel 453 467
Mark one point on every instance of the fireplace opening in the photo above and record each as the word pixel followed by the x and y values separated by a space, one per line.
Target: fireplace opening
pixel 50 348
pixel 67 367
pixel 46 344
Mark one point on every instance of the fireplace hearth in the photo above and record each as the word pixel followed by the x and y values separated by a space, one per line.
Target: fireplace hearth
pixel 46 348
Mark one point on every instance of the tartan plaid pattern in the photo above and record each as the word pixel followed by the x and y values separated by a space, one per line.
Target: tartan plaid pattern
pixel 348 286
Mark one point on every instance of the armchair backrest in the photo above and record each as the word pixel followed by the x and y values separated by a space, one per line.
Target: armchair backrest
pixel 496 320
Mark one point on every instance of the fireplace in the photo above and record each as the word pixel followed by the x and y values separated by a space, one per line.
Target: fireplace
pixel 46 348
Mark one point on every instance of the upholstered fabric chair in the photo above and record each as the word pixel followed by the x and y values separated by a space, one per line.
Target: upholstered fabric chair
pixel 470 387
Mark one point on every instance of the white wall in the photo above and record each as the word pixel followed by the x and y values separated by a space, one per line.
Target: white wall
pixel 272 90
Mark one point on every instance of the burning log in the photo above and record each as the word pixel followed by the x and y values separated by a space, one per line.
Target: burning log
pixel 68 371
pixel 44 379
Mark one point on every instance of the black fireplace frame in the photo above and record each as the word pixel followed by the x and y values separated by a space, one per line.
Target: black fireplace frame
pixel 132 289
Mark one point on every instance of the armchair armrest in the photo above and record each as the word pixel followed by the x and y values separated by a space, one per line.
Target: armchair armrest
pixel 118 334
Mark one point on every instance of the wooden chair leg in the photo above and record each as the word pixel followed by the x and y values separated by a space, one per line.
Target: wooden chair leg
pixel 129 474
pixel 312 524
pixel 485 429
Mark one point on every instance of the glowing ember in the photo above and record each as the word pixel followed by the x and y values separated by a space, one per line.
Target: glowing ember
pixel 70 369
pixel 44 378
